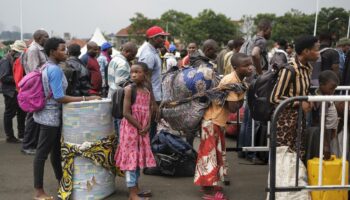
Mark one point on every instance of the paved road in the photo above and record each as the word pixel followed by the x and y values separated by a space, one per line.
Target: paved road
pixel 248 182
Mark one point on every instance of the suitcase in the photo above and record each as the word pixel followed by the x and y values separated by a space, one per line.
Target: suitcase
pixel 331 175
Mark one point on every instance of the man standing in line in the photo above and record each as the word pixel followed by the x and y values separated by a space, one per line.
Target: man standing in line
pixel 103 60
pixel 91 63
pixel 257 48
pixel 220 58
pixel 33 59
pixel 149 55
pixel 10 94
pixel 119 72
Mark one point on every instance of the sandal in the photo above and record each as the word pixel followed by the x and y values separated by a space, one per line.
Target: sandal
pixel 217 196
pixel 145 193
pixel 44 198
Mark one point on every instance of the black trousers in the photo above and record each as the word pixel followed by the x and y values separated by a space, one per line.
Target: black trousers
pixel 49 143
pixel 11 110
pixel 31 133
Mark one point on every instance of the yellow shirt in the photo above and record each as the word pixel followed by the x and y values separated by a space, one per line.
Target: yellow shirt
pixel 219 114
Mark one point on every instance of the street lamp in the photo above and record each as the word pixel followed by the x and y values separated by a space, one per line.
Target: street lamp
pixel 333 20
pixel 21 17
pixel 317 7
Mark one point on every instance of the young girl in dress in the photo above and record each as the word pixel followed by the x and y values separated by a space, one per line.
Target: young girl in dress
pixel 134 150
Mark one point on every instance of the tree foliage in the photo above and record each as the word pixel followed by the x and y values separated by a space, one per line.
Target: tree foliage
pixel 208 24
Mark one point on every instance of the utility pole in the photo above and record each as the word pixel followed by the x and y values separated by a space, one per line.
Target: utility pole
pixel 21 17
pixel 317 8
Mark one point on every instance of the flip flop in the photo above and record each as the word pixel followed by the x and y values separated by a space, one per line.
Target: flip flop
pixel 217 196
pixel 145 193
pixel 44 198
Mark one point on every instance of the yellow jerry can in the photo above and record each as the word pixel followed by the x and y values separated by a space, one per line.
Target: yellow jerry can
pixel 331 175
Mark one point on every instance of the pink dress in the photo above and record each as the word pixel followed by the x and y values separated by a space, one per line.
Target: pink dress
pixel 134 150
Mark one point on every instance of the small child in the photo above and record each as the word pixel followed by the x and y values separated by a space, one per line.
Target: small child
pixel 328 83
pixel 134 150
pixel 211 167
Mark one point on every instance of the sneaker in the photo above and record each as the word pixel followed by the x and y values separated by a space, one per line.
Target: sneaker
pixel 28 151
pixel 12 140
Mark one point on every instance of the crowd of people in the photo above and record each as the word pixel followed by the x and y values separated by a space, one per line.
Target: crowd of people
pixel 70 77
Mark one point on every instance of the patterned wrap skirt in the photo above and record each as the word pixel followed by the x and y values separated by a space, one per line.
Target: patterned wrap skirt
pixel 287 131
pixel 211 161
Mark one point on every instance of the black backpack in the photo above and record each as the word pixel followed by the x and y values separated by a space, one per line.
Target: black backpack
pixel 173 155
pixel 118 99
pixel 260 91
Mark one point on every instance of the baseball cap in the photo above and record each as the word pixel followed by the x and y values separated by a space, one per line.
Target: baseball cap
pixel 155 31
pixel 172 48
pixel 343 41
pixel 18 46
pixel 106 46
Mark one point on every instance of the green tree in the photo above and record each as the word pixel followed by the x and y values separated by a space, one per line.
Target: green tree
pixel 328 16
pixel 139 25
pixel 175 22
pixel 207 25
pixel 291 25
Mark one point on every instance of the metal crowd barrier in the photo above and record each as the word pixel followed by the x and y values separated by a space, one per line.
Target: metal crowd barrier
pixel 253 147
pixel 272 188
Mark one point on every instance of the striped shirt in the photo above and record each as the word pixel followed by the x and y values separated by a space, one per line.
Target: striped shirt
pixel 286 88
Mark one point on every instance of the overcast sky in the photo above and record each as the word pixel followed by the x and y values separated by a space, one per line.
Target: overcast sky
pixel 81 17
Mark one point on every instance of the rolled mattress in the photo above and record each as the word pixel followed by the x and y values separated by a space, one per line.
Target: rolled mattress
pixel 89 121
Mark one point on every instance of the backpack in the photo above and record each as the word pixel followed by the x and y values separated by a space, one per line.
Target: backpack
pixel 317 68
pixel 118 99
pixel 18 70
pixel 173 155
pixel 247 48
pixel 260 91
pixel 31 96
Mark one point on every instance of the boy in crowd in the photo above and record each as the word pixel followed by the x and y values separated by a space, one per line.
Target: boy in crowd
pixel 211 167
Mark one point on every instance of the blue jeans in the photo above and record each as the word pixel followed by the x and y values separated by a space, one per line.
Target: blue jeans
pixel 132 177
pixel 245 134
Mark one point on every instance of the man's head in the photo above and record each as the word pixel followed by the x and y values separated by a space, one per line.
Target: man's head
pixel 92 49
pixel 308 47
pixel 191 48
pixel 325 39
pixel 242 64
pixel 265 28
pixel 210 48
pixel 230 45
pixel 237 44
pixel 129 51
pixel 17 47
pixel 156 36
pixel 328 82
pixel 344 44
pixel 55 48
pixel 107 47
pixel 40 37
pixel 74 50
pixel 290 48
pixel 282 44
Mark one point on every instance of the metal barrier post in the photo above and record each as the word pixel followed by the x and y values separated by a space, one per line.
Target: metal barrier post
pixel 253 132
pixel 320 166
pixel 345 138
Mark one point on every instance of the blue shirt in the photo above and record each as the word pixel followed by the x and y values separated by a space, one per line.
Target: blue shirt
pixel 150 56
pixel 55 85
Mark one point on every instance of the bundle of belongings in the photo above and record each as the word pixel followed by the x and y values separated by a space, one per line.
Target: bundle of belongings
pixel 188 93
pixel 186 114
pixel 174 156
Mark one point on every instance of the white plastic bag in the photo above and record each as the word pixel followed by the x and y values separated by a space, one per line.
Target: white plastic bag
pixel 285 175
